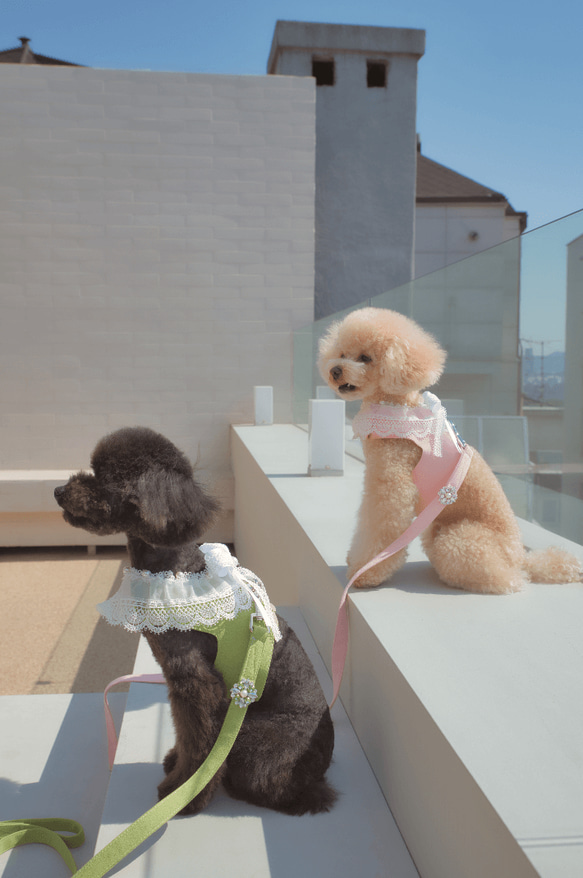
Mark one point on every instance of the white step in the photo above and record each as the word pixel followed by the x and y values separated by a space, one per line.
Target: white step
pixel 53 763
pixel 358 837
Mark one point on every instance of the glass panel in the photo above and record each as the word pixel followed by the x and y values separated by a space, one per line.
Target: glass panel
pixel 471 307
pixel 307 378
pixel 511 320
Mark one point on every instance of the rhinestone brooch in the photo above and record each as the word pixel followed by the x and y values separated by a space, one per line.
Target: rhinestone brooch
pixel 447 495
pixel 244 693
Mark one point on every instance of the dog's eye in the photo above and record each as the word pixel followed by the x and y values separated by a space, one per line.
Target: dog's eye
pixel 364 358
pixel 341 356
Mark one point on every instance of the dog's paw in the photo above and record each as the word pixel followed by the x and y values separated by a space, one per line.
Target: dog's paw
pixel 376 575
pixel 176 778
pixel 504 582
pixel 367 579
pixel 170 761
pixel 318 798
pixel 364 582
pixel 172 783
pixel 507 585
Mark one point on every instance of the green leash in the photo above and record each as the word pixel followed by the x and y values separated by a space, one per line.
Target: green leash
pixel 14 833
pixel 253 676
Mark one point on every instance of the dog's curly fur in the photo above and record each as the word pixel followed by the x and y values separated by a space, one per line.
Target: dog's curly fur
pixel 377 355
pixel 143 486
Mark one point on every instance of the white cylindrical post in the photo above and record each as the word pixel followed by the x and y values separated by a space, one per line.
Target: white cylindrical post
pixel 263 398
pixel 326 437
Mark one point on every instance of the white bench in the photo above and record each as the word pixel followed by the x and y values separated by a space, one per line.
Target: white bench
pixel 30 516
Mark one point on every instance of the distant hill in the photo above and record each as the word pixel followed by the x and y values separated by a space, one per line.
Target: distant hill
pixel 543 378
pixel 554 364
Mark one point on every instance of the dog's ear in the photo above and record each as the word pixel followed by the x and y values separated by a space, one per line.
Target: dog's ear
pixel 172 508
pixel 326 348
pixel 412 363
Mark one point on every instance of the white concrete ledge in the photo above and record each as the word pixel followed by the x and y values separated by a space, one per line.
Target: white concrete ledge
pixel 467 706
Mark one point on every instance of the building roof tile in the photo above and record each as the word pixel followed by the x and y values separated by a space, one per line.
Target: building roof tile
pixel 437 184
pixel 23 54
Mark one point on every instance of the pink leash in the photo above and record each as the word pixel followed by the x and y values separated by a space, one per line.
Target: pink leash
pixel 423 520
pixel 129 678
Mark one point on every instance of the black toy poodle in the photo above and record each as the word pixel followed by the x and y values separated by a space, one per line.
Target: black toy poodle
pixel 143 486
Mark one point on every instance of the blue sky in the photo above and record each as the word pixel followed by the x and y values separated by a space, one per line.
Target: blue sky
pixel 499 91
pixel 499 95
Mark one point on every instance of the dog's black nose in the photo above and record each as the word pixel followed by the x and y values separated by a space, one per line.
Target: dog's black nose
pixel 59 492
pixel 336 372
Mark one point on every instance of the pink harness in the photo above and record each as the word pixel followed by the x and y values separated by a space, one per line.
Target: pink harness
pixel 438 477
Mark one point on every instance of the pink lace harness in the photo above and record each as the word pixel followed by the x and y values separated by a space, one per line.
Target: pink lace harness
pixel 438 477
pixel 426 425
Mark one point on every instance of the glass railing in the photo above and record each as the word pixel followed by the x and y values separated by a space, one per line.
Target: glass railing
pixel 511 320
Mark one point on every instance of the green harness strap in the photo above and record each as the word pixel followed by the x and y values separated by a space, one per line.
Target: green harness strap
pixel 254 671
pixel 232 644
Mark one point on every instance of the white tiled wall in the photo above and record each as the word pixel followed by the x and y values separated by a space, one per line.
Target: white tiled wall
pixel 156 250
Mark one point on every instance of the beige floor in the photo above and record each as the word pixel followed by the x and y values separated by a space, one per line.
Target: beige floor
pixel 53 640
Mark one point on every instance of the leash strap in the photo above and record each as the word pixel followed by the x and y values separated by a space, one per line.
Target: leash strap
pixel 49 831
pixel 254 671
pixel 109 724
pixel 423 520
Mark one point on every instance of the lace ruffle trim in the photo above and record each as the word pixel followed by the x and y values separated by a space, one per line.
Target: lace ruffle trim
pixel 423 424
pixel 158 602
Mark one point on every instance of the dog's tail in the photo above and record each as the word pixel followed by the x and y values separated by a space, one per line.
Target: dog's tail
pixel 552 565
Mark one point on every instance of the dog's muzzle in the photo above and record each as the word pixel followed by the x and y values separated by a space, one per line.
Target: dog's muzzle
pixel 336 375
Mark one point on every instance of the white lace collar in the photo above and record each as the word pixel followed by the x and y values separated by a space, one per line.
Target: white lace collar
pixel 424 424
pixel 160 601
